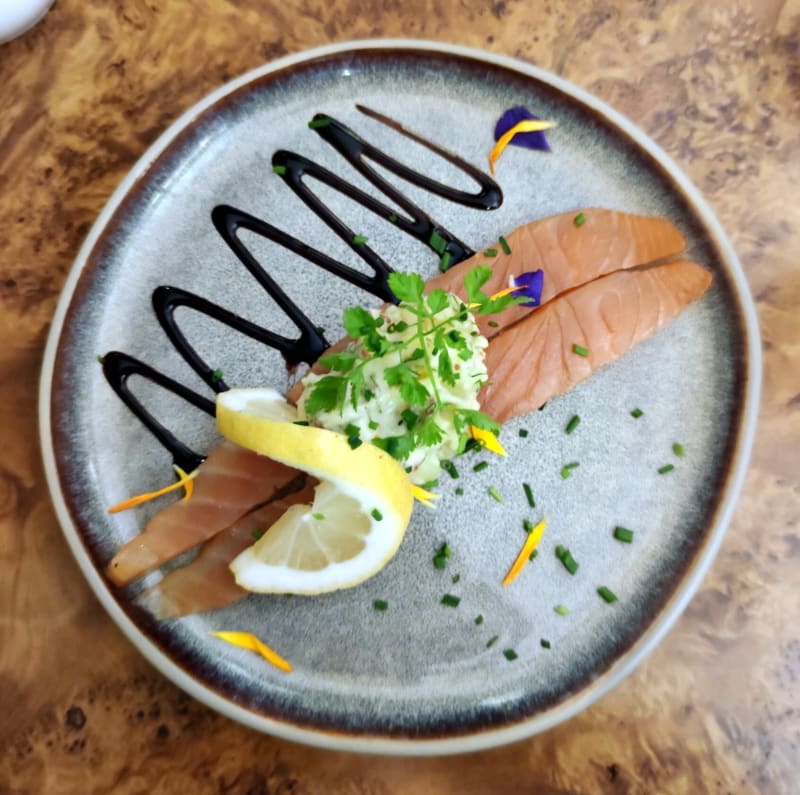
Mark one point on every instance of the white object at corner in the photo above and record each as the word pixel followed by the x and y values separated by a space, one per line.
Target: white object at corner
pixel 17 16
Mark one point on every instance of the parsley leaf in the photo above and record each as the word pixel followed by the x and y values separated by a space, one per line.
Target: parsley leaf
pixel 358 322
pixel 437 301
pixel 407 287
pixel 327 394
pixel 343 362
pixel 473 282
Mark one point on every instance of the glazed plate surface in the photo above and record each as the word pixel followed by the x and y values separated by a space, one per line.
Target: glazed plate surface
pixel 418 677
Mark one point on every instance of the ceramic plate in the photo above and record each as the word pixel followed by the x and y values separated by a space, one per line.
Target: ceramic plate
pixel 419 677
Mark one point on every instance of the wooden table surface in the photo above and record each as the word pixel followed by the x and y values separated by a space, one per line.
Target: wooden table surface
pixel 715 709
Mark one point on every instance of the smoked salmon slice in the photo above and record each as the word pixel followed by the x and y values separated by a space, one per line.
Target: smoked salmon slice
pixel 534 360
pixel 572 249
pixel 230 482
pixel 207 583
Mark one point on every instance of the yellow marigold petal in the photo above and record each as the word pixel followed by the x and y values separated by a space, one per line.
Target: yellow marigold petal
pixel 184 481
pixel 423 496
pixel 526 125
pixel 531 542
pixel 187 481
pixel 488 440
pixel 246 640
pixel 507 291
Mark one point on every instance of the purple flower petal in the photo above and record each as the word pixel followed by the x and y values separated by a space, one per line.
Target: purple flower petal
pixel 530 140
pixel 533 281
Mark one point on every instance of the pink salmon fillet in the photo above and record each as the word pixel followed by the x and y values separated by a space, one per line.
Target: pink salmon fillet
pixel 207 583
pixel 230 482
pixel 533 360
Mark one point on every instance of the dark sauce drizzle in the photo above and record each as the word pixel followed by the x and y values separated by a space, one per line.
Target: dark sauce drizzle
pixel 311 343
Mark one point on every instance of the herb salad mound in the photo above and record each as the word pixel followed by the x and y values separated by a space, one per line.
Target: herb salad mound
pixel 408 380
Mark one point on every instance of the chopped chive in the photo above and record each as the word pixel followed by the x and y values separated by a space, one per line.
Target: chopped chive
pixel 455 578
pixel 439 562
pixel 359 240
pixel 354 442
pixel 318 516
pixel 372 425
pixel 493 324
pixel 527 525
pixel 450 468
pixel 495 494
pixel 677 448
pixel 541 408
pixel 258 533
pixel 492 641
pixel 565 556
pixel 320 330
pixel 572 424
pixel 510 654
pixel 279 169
pixel 504 245
pixel 580 350
pixel 216 375
pixel 437 242
pixel 623 534
pixel 607 594
pixel 561 610
pixel 431 484
pixel 460 491
pixel 566 470
pixel 490 252
pixel 529 494
pixel 444 261
pixel 450 600
pixel 666 468
pixel 100 359
pixel 478 620
pixel 380 604
pixel 480 466
pixel 393 218
pixel 315 124
pixel 579 219
pixel 636 413
pixel 376 515
pixel 533 555
pixel 545 643
pixel 368 394
pixel 301 422
pixel 523 434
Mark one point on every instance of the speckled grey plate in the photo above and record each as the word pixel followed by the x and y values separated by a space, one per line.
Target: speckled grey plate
pixel 419 677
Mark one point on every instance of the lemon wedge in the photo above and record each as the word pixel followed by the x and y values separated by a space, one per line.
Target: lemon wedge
pixel 360 511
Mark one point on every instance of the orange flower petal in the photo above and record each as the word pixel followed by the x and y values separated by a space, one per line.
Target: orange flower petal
pixel 184 481
pixel 531 542
pixel 246 640
pixel 526 125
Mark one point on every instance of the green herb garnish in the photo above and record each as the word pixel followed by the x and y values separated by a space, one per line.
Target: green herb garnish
pixel 450 468
pixel 566 470
pixel 565 556
pixel 460 491
pixel 315 124
pixel 492 641
pixel 480 466
pixel 572 424
pixel 257 533
pixel 636 413
pixel 510 654
pixel 579 219
pixel 561 610
pixel 529 495
pixel 495 494
pixel 455 579
pixel 437 242
pixel 666 468
pixel 606 594
pixel 504 245
pixel 527 525
pixel 380 604
pixel 580 350
pixel 376 515
pixel 318 516
pixel 677 448
pixel 216 376
pixel 359 240
pixel 392 218
pixel 451 601
pixel 623 534
pixel 490 252
pixel 478 620
pixel 545 644
pixel 523 434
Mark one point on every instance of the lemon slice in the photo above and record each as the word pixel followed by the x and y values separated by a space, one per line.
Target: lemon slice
pixel 361 507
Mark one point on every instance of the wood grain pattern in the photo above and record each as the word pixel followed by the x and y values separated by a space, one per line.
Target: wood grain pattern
pixel 715 709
